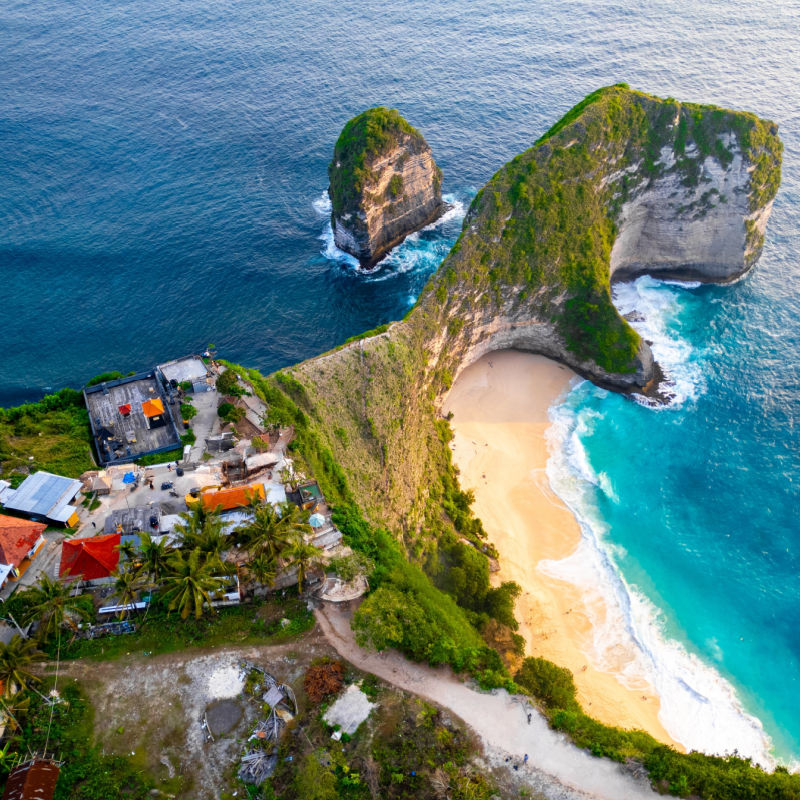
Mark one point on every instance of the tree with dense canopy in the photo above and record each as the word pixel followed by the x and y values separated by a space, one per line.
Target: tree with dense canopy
pixel 272 528
pixel 51 604
pixel 192 580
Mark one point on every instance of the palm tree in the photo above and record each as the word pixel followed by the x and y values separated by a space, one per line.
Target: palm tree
pixel 203 531
pixel 304 556
pixel 127 583
pixel 272 529
pixel 50 602
pixel 14 708
pixel 154 557
pixel 193 520
pixel 262 569
pixel 127 551
pixel 191 581
pixel 15 659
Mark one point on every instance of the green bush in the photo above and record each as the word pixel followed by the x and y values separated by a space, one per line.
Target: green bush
pixel 230 413
pixel 104 377
pixel 551 684
pixel 227 383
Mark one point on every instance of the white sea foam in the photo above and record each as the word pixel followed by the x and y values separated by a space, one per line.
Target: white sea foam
pixel 699 708
pixel 651 305
pixel 322 205
pixel 414 254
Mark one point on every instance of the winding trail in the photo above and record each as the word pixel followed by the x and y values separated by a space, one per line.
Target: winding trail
pixel 556 768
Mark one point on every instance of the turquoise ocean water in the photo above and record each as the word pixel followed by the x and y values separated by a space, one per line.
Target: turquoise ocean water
pixel 162 186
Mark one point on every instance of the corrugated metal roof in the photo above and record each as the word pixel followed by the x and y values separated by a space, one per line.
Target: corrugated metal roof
pixel 42 492
pixel 35 779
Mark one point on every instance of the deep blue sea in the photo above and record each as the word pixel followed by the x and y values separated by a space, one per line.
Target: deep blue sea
pixel 162 187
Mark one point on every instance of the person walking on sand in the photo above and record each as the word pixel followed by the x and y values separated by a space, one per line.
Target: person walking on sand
pixel 525 760
pixel 529 718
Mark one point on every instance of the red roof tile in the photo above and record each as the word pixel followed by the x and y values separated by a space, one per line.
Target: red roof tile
pixel 17 537
pixel 92 558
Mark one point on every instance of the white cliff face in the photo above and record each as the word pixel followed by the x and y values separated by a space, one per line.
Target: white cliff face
pixel 671 229
pixel 401 195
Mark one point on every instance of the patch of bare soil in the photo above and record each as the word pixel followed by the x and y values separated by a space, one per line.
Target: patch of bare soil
pixel 153 709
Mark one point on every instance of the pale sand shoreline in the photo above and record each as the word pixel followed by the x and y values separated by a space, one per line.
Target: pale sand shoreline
pixel 499 406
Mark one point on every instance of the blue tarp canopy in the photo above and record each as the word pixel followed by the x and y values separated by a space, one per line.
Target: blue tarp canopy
pixel 128 477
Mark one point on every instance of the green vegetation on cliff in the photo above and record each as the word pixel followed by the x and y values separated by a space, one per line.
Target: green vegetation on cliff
pixel 538 236
pixel 533 258
pixel 682 774
pixel 363 137
pixel 55 431
pixel 431 613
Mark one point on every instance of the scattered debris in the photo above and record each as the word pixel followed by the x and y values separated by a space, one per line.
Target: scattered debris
pixel 260 759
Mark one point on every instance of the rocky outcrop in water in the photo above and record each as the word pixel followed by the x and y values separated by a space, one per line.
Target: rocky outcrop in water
pixel 384 185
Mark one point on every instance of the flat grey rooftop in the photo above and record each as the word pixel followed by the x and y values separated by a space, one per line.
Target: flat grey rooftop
pixel 133 520
pixel 132 436
pixel 191 369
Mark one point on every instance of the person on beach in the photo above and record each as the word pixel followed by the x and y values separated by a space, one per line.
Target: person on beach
pixel 529 718
pixel 525 760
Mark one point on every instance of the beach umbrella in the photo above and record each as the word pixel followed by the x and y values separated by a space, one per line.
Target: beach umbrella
pixel 316 520
pixel 128 477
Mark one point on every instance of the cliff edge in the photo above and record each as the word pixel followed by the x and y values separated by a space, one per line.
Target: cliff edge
pixel 624 183
pixel 384 184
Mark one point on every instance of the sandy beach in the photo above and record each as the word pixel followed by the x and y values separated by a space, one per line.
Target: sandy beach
pixel 499 406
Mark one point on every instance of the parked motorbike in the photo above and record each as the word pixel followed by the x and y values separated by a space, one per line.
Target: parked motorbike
pixel 166 485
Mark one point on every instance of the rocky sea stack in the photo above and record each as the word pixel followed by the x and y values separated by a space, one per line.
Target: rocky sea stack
pixel 384 184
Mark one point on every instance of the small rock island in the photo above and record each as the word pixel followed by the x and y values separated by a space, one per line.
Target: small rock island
pixel 384 185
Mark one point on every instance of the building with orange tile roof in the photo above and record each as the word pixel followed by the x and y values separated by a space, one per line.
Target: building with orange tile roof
pixel 235 497
pixel 20 541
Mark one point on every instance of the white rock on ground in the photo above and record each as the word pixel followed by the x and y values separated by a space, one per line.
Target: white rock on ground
pixel 350 710
pixel 225 682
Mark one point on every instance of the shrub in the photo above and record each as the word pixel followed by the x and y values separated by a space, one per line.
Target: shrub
pixel 348 567
pixel 230 413
pixel 228 384
pixel 551 684
pixel 324 678
pixel 103 377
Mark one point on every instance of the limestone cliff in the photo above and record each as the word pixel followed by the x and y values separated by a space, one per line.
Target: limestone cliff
pixel 624 183
pixel 384 184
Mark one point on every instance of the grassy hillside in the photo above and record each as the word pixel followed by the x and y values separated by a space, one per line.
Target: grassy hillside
pixel 55 431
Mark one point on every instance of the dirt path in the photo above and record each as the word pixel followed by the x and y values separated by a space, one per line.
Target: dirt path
pixel 556 768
